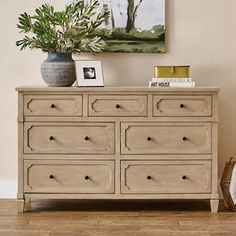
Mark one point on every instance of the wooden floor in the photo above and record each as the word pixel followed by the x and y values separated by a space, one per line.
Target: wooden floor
pixel 72 218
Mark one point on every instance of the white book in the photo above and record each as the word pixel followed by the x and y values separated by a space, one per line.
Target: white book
pixel 171 84
pixel 171 79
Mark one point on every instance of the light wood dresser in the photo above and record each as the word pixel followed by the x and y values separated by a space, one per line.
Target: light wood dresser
pixel 118 143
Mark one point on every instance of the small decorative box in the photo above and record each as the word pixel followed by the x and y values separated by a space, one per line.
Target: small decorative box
pixel 172 71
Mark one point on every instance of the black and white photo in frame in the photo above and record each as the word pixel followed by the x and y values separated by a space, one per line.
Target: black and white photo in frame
pixel 89 73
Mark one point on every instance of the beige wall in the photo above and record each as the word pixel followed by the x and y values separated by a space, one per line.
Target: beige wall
pixel 201 33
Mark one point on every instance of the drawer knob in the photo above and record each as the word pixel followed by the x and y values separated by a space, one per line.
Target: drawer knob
pixel 117 106
pixel 184 177
pixel 149 139
pixel 86 138
pixel 53 106
pixel 182 106
pixel 149 177
pixel 185 139
pixel 86 177
pixel 51 176
pixel 51 138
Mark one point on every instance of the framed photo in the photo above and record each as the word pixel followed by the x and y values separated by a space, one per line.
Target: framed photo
pixel 89 73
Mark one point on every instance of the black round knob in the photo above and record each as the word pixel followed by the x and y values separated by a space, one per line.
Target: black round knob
pixel 51 177
pixel 184 177
pixel 86 138
pixel 86 177
pixel 117 106
pixel 51 138
pixel 181 106
pixel 53 106
pixel 149 177
pixel 149 138
pixel 185 139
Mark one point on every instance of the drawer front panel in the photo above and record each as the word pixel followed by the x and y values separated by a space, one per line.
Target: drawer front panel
pixel 166 177
pixel 165 138
pixel 53 105
pixel 69 138
pixel 69 176
pixel 117 105
pixel 182 105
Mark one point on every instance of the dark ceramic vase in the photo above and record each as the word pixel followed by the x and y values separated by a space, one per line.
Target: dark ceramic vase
pixel 58 70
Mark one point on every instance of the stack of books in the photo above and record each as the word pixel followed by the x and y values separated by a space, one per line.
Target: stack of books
pixel 171 76
pixel 171 82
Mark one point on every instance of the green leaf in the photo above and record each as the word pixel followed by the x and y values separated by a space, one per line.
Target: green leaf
pixel 72 30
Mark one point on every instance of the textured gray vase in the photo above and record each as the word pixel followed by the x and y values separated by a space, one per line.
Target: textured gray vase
pixel 58 70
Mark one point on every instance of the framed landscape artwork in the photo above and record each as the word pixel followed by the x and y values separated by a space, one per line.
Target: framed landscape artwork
pixel 133 26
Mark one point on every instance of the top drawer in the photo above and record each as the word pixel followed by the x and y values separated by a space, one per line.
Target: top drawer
pixel 53 105
pixel 186 105
pixel 117 105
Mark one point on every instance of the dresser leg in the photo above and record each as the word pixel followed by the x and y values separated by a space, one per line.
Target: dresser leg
pixel 214 205
pixel 21 205
pixel 27 200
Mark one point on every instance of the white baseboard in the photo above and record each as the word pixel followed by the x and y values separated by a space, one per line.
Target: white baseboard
pixel 8 189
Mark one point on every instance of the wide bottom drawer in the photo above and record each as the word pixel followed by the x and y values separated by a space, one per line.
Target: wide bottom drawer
pixel 59 176
pixel 165 177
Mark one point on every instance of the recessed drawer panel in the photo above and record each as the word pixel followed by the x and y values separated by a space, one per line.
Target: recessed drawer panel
pixel 165 138
pixel 53 105
pixel 166 177
pixel 69 176
pixel 182 105
pixel 69 138
pixel 117 105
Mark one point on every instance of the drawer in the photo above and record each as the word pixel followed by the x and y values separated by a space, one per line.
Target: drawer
pixel 117 105
pixel 69 138
pixel 53 105
pixel 165 138
pixel 69 176
pixel 166 177
pixel 182 105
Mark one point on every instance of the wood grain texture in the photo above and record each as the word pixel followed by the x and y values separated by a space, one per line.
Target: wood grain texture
pixel 56 176
pixel 119 196
pixel 114 89
pixel 155 177
pixel 53 105
pixel 117 106
pixel 62 127
pixel 166 138
pixel 20 119
pixel 182 105
pixel 75 218
pixel 69 138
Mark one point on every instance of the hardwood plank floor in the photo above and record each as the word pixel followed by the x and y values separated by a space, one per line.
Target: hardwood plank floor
pixel 82 218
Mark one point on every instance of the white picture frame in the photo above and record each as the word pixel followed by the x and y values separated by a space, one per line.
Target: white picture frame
pixel 89 73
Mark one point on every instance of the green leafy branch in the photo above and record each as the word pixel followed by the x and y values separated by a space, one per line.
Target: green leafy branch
pixel 72 30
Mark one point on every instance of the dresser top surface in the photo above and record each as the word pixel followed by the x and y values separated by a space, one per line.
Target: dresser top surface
pixel 113 89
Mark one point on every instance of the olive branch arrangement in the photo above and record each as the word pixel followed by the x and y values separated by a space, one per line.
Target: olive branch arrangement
pixel 72 30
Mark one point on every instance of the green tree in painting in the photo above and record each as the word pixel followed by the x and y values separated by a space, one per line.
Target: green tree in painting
pixel 132 13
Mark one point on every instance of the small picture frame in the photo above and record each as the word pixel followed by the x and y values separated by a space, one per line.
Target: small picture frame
pixel 89 73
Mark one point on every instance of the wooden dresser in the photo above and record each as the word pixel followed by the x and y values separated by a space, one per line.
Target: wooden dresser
pixel 118 143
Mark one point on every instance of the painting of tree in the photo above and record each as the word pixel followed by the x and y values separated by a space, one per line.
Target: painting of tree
pixel 131 14
pixel 134 26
